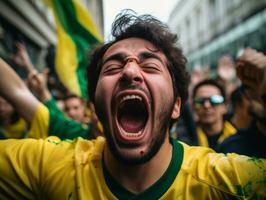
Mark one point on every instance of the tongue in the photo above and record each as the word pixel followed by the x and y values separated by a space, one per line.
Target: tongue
pixel 132 124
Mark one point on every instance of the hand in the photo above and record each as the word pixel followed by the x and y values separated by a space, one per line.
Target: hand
pixel 251 69
pixel 226 68
pixel 38 84
pixel 22 58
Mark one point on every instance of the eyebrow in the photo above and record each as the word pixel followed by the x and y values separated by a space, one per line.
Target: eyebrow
pixel 146 55
pixel 142 56
pixel 118 56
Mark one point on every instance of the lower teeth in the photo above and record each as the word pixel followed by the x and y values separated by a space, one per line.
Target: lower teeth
pixel 132 134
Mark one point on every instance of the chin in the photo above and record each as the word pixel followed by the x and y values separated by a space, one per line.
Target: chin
pixel 136 154
pixel 133 156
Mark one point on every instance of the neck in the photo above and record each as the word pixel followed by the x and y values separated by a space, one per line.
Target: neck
pixel 138 178
pixel 213 128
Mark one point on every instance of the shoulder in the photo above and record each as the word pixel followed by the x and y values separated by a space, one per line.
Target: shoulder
pixel 224 172
pixel 78 144
pixel 50 146
pixel 201 157
pixel 41 117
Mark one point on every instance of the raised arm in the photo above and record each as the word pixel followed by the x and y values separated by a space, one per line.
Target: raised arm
pixel 251 69
pixel 15 91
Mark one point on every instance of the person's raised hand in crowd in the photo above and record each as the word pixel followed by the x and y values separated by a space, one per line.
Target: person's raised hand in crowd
pixel 37 82
pixel 251 69
pixel 21 57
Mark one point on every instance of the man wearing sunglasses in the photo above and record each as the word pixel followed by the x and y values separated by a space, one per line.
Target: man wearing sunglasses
pixel 209 105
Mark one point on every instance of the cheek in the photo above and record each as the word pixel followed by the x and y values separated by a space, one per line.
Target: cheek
pixel 162 90
pixel 166 88
pixel 223 109
pixel 103 95
pixel 101 90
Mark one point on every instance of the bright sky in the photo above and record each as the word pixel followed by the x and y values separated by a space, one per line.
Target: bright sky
pixel 161 9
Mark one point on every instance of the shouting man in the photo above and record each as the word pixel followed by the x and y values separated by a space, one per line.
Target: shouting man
pixel 138 83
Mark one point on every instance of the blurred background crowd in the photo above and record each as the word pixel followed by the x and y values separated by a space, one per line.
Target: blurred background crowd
pixel 216 36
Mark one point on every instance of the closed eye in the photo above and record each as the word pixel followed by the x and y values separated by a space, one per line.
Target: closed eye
pixel 112 68
pixel 151 66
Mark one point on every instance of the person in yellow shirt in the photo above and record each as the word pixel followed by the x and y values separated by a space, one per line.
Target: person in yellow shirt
pixel 138 82
pixel 209 104
pixel 11 124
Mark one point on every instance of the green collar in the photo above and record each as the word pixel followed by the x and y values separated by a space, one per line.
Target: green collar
pixel 156 190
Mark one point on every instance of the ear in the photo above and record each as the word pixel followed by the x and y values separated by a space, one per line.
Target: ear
pixel 176 109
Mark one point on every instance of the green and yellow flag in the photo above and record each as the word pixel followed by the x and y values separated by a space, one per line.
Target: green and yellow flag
pixel 76 34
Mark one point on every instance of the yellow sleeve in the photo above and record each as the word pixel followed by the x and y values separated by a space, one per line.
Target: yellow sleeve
pixel 40 123
pixel 36 169
pixel 240 176
pixel 19 168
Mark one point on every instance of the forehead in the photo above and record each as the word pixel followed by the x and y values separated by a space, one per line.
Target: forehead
pixel 133 47
pixel 207 90
pixel 73 100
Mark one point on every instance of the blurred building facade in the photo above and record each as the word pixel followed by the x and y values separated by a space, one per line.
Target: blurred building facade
pixel 32 23
pixel 208 29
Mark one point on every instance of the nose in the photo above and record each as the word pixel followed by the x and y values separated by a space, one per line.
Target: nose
pixel 131 72
pixel 206 104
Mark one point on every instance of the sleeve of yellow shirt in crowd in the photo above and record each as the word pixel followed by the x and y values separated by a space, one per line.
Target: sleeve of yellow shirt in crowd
pixel 48 121
pixel 40 123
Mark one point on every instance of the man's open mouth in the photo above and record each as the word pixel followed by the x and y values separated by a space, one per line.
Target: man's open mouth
pixel 132 116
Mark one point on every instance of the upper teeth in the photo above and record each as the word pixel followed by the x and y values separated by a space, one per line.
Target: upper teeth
pixel 131 97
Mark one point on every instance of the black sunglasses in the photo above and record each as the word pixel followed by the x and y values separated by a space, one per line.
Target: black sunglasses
pixel 213 100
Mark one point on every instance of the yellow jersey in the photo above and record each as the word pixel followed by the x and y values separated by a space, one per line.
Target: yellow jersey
pixel 17 130
pixel 228 130
pixel 56 169
pixel 51 122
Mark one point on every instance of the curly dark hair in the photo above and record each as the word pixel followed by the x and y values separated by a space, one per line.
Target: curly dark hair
pixel 127 25
pixel 212 82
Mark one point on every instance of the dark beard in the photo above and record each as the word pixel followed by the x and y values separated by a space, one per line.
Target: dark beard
pixel 155 143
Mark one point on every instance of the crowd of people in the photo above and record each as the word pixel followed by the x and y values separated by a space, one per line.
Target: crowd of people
pixel 144 134
pixel 227 121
